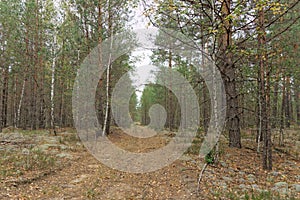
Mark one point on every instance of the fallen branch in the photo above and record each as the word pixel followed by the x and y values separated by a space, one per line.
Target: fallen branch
pixel 200 176
pixel 5 142
pixel 39 176
pixel 29 180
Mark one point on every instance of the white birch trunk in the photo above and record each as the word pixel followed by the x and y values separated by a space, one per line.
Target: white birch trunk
pixel 108 78
pixel 53 84
pixel 215 90
pixel 21 101
pixel 260 126
pixel 107 89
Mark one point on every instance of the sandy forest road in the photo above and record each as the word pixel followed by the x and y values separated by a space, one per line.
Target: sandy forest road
pixel 76 174
pixel 80 176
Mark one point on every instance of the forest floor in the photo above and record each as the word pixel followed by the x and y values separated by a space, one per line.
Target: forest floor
pixel 37 165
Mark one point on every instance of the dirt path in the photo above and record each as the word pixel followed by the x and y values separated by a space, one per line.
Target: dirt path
pixel 84 177
pixel 78 175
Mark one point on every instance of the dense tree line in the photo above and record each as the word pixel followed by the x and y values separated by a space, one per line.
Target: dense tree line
pixel 254 45
pixel 42 45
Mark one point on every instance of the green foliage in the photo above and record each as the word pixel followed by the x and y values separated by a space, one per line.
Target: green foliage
pixel 194 149
pixel 91 194
pixel 39 160
pixel 133 108
pixel 264 195
pixel 210 157
pixel 17 163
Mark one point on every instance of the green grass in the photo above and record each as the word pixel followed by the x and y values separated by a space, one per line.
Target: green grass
pixel 91 193
pixel 16 163
pixel 194 149
pixel 265 195
pixel 72 138
pixel 33 132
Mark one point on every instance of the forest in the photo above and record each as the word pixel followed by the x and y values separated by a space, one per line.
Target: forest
pixel 254 46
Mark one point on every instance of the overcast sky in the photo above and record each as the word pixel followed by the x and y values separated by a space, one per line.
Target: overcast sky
pixel 142 74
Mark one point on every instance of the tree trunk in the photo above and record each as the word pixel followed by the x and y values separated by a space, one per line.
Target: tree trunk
pixel 205 109
pixel 61 105
pixel 241 110
pixel 229 77
pixel 34 73
pixel 15 100
pixel 170 106
pixel 264 93
pixel 21 101
pixel 287 103
pixel 5 97
pixel 1 97
pixel 53 85
pixel 259 136
pixel 297 100
pixel 275 100
pixel 282 114
pixel 100 97
pixel 41 96
pixel 107 119
pixel 205 103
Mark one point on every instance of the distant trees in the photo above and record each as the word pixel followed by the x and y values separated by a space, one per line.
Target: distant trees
pixel 42 45
pixel 25 34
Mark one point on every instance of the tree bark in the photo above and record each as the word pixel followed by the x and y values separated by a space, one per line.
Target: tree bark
pixel 264 92
pixel 229 77
pixel 282 114
pixel 170 106
pixel 4 97
pixel 61 105
pixel 275 100
pixel 52 91
pixel 14 102
pixel 287 103
pixel 107 119
pixel 298 105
